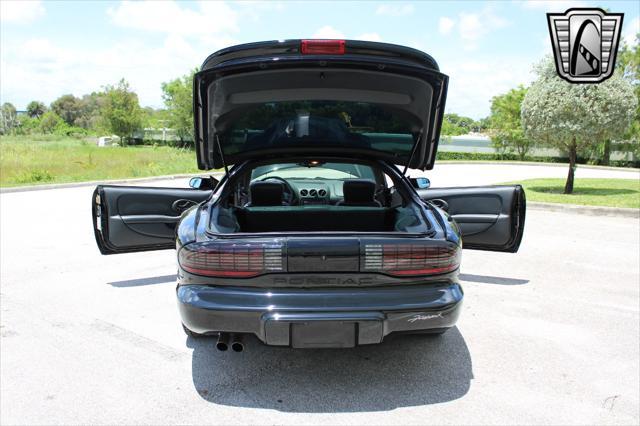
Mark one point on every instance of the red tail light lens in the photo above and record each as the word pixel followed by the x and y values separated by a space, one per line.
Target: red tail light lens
pixel 231 259
pixel 410 259
pixel 228 258
pixel 322 47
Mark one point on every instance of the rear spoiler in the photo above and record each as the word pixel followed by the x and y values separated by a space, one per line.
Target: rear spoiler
pixel 285 48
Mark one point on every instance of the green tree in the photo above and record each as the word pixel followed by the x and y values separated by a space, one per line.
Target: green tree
pixel 35 109
pixel 448 129
pixel 67 107
pixel 8 118
pixel 155 118
pixel 121 112
pixel 575 117
pixel 484 124
pixel 505 125
pixel 49 122
pixel 628 64
pixel 90 111
pixel 178 98
pixel 454 124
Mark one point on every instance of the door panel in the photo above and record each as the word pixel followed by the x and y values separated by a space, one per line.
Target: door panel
pixel 489 217
pixel 130 218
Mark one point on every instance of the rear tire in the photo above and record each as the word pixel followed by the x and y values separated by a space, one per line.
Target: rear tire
pixel 193 333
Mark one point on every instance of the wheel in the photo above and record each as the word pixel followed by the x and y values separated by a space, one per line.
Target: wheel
pixel 193 333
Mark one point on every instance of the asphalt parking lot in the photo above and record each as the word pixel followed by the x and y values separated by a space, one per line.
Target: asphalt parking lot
pixel 550 335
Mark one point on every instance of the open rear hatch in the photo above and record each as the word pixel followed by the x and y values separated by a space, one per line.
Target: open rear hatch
pixel 317 97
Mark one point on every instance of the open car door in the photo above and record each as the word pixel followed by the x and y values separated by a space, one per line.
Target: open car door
pixel 132 218
pixel 489 217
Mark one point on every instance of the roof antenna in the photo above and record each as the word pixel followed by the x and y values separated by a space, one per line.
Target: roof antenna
pixel 413 152
pixel 226 169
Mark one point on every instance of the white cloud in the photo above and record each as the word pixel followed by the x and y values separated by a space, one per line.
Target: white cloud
pixel 552 5
pixel 183 36
pixel 369 37
pixel 21 11
pixel 209 17
pixel 631 28
pixel 253 8
pixel 472 84
pixel 473 27
pixel 328 32
pixel 445 25
pixel 260 5
pixel 394 9
pixel 59 70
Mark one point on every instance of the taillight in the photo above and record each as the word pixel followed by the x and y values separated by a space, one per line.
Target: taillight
pixel 231 259
pixel 322 47
pixel 410 259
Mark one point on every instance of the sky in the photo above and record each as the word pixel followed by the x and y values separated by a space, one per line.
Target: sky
pixel 51 48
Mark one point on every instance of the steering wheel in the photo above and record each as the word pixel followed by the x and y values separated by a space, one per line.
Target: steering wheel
pixel 290 196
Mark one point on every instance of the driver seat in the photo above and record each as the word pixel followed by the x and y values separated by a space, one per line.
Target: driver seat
pixel 268 193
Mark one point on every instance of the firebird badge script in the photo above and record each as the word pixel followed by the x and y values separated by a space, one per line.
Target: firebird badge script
pixel 424 317
pixel 585 43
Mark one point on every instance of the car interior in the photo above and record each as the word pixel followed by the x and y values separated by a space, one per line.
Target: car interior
pixel 312 198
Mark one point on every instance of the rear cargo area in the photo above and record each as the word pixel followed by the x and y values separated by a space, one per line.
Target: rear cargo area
pixel 323 218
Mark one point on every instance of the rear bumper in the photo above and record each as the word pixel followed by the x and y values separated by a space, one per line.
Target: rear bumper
pixel 302 317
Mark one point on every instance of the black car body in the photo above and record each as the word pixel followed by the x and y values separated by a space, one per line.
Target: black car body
pixel 315 237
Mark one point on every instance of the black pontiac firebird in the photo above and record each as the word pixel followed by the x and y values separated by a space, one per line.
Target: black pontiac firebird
pixel 315 237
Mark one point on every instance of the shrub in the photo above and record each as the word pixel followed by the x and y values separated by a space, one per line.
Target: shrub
pixel 34 176
pixel 50 121
pixel 27 125
pixel 63 129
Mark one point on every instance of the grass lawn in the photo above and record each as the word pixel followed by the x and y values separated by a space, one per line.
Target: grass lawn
pixel 592 192
pixel 29 160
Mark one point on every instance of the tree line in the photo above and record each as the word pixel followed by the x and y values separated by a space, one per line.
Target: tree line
pixel 114 110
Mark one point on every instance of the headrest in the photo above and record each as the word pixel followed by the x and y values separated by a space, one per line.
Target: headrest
pixel 268 193
pixel 359 192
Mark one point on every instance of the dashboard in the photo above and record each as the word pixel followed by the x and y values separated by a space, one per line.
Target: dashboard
pixel 317 191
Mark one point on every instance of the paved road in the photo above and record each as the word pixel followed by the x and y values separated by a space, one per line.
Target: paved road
pixel 549 335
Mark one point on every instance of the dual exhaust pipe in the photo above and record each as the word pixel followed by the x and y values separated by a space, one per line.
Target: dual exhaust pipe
pixel 234 340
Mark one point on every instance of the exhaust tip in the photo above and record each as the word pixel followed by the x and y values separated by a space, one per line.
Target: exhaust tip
pixel 223 342
pixel 236 343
